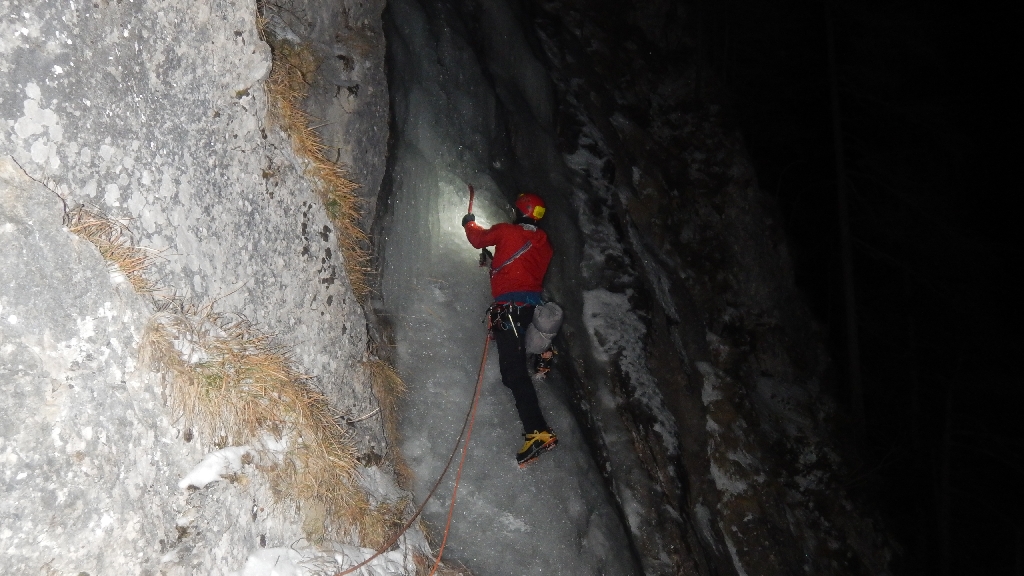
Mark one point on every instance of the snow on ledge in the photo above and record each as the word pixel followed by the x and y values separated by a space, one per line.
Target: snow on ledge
pixel 304 560
pixel 215 466
pixel 616 332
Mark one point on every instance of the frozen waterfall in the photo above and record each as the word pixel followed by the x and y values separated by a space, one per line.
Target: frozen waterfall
pixel 453 87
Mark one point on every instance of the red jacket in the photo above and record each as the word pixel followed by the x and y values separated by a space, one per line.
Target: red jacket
pixel 526 272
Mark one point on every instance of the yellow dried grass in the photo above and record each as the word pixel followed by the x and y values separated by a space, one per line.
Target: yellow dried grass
pixel 115 243
pixel 231 383
pixel 324 484
pixel 388 388
pixel 294 67
pixel 424 564
pixel 381 522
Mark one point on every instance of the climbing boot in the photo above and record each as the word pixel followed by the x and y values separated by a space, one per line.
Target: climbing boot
pixel 537 443
pixel 543 363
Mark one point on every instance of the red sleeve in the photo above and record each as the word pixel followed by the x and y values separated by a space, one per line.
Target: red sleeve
pixel 481 237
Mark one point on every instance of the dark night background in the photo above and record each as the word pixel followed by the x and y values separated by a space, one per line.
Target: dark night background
pixel 925 94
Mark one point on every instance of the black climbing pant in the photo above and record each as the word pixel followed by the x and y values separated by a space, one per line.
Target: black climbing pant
pixel 510 335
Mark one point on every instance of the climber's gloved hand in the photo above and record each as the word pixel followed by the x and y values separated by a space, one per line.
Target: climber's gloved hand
pixel 467 219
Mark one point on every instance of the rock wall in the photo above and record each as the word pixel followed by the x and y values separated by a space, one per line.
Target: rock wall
pixel 154 113
pixel 700 368
pixel 349 94
pixel 92 456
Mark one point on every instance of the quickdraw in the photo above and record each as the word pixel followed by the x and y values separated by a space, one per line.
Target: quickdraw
pixel 499 316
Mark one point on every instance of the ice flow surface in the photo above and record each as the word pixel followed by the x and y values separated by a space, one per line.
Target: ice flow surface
pixel 554 517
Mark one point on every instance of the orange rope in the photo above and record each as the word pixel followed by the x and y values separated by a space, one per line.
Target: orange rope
pixel 470 416
pixel 465 449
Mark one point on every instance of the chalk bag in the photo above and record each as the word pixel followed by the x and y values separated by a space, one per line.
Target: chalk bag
pixel 547 319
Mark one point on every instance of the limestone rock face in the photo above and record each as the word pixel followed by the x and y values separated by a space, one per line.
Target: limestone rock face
pixel 153 113
pixel 348 96
pixel 91 455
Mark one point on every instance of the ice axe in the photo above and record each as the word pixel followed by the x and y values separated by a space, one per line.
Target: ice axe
pixel 485 254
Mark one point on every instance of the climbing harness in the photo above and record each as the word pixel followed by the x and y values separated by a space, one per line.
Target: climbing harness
pixel 499 316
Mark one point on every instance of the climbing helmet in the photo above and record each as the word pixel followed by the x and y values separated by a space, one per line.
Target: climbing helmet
pixel 531 205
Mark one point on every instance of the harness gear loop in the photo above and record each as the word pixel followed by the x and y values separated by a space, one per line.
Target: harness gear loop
pixel 499 316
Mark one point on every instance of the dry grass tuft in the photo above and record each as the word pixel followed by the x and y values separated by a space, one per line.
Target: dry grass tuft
pixel 388 387
pixel 115 243
pixel 261 20
pixel 231 383
pixel 382 522
pixel 318 468
pixel 294 67
pixel 424 564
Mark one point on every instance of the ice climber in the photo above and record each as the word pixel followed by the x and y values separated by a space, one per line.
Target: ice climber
pixel 521 257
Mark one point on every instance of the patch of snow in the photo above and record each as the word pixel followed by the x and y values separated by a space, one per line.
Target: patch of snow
pixel 615 330
pixel 395 563
pixel 742 457
pixel 274 562
pixel 215 466
pixel 510 522
pixel 273 446
pixel 710 392
pixel 379 484
pixel 308 561
pixel 601 245
pixel 735 557
pixel 189 349
pixel 703 516
pixel 726 483
pixel 811 480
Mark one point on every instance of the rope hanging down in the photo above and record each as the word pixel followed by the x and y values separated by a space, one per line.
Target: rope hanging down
pixel 471 418
pixel 465 449
pixel 467 429
pixel 466 424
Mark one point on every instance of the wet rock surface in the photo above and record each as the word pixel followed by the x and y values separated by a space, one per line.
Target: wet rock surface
pixel 732 427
